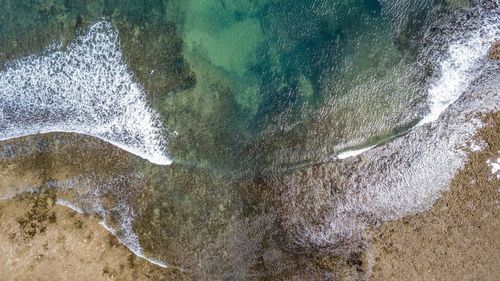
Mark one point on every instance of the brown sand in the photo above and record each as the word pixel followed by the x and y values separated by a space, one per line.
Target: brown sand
pixel 43 241
pixel 494 52
pixel 455 240
pixel 458 239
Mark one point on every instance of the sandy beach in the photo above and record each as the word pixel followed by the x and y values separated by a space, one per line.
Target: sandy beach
pixel 44 241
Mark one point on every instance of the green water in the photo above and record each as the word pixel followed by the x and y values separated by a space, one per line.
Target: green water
pixel 244 88
pixel 233 77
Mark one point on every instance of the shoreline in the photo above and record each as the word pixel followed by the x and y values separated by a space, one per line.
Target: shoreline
pixel 466 56
pixel 45 241
pixel 402 177
pixel 457 239
pixel 139 254
pixel 324 220
pixel 396 252
pixel 484 85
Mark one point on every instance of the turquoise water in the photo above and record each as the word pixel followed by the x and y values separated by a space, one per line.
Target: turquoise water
pixel 316 76
pixel 243 89
pixel 307 78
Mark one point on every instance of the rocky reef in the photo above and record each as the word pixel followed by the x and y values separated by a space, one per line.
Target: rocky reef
pixel 403 176
pixel 494 52
pixel 256 190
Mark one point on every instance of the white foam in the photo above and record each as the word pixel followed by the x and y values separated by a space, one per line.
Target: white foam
pixel 494 166
pixel 352 153
pixel 85 88
pixel 475 147
pixel 459 68
pixel 128 237
pixel 68 204
pixel 136 250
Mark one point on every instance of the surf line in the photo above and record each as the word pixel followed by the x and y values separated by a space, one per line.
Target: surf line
pixel 86 88
pixel 458 69
pixel 135 249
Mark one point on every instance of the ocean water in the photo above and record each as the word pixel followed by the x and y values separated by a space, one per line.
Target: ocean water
pixel 85 89
pixel 317 77
pixel 204 97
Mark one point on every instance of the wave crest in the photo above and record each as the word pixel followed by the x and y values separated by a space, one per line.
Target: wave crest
pixel 86 88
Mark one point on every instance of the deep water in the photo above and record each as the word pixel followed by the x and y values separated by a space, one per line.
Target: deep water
pixel 243 89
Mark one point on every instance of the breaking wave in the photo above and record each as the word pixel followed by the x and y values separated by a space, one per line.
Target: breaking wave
pixel 461 66
pixel 457 67
pixel 332 204
pixel 83 88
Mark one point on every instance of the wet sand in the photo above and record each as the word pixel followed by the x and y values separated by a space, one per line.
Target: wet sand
pixel 43 241
pixel 458 238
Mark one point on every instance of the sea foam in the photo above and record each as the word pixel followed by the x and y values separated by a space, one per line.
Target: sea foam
pixel 461 66
pixel 332 204
pixel 85 87
pixel 457 68
pixel 118 216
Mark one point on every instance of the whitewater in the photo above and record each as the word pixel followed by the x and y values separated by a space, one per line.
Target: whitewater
pixel 457 67
pixel 85 88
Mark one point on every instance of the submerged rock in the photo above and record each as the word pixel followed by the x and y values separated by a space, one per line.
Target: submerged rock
pixel 327 207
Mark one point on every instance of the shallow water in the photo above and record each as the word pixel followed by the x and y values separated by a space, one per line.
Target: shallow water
pixel 229 90
pixel 268 73
pixel 85 89
pixel 308 78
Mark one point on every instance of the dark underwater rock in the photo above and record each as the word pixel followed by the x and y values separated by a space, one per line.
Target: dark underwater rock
pixel 326 207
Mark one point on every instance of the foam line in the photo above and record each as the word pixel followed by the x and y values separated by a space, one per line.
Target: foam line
pixel 460 66
pixel 457 69
pixel 130 240
pixel 137 251
pixel 84 88
pixel 68 204
pixel 352 153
